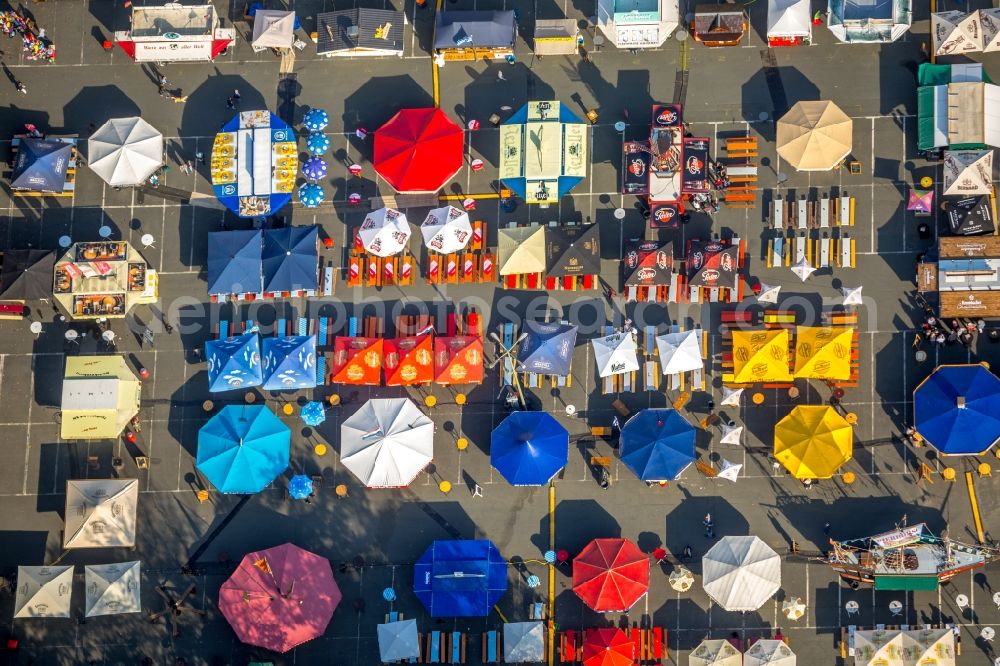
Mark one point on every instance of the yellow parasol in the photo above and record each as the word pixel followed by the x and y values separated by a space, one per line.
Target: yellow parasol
pixel 813 441
pixel 822 352
pixel 760 356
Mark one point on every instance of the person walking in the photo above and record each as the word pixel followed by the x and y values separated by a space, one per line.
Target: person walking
pixel 162 83
pixel 236 98
pixel 826 529
pixel 21 88
pixel 709 526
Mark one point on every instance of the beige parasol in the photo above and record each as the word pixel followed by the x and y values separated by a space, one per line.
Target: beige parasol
pixel 814 136
pixel 793 608
pixel 681 579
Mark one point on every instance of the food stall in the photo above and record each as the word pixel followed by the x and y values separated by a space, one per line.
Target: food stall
pixel 360 31
pixel 719 25
pixel 638 24
pixel 254 163
pixel 965 276
pixel 788 22
pixel 868 21
pixel 556 37
pixel 103 279
pixel 475 35
pixel 174 33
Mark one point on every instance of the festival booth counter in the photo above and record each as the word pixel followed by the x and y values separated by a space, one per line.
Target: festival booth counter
pixel 101 280
pixel 965 277
pixel 474 35
pixel 174 33
pixel 719 25
pixel 556 37
pixel 638 24
pixel 869 21
pixel 788 22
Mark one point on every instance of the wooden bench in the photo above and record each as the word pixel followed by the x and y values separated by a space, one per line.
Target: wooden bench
pixel 570 647
pixel 845 211
pixel 741 147
pixel 402 201
pixel 491 647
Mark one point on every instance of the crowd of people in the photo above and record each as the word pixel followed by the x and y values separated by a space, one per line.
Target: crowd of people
pixel 36 45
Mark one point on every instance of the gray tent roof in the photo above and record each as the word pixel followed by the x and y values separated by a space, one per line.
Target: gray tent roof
pixel 273 28
pixel 523 642
pixel 333 27
pixel 398 640
pixel 484 29
pixel 112 589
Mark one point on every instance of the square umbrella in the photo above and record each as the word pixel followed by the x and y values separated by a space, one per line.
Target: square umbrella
pixel 398 641
pixel 234 363
pixel 289 363
pixel 44 591
pixel 234 262
pixel 358 361
pixel 547 349
pixel 112 589
pixel 529 448
pixel 409 361
pixel 523 642
pixel 615 354
pixel 572 250
pixel 458 360
pixel 100 513
pixel 27 275
pixel 680 351
pixel 243 448
pixel 713 264
pixel 463 578
pixel 41 166
pixel 290 259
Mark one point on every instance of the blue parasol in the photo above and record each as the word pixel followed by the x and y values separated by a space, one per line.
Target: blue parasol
pixel 311 195
pixel 318 143
pixel 313 413
pixel 314 168
pixel 315 119
pixel 300 487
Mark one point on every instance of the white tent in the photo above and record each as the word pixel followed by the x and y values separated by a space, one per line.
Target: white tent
pixel 387 442
pixel 44 591
pixel 768 294
pixel 446 230
pixel 740 573
pixel 803 269
pixel 384 232
pixel 273 28
pixel 523 642
pixel 730 471
pixel 125 151
pixel 680 352
pixel 788 19
pixel 956 32
pixel 731 397
pixel 112 589
pixel 989 22
pixel 398 641
pixel 615 354
pixel 731 434
pixel 968 172
pixel 100 513
pixel 904 647
pixel 715 652
pixel 852 295
pixel 769 652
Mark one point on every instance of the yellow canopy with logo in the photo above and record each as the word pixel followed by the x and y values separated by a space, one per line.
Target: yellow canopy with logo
pixel 100 396
pixel 760 356
pixel 823 352
pixel 813 441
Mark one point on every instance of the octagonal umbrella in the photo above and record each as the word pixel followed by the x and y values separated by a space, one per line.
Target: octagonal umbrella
pixel 315 119
pixel 313 413
pixel 280 597
pixel 957 409
pixel 462 578
pixel 317 143
pixel 657 444
pixel 610 575
pixel 387 442
pixel 314 168
pixel 243 448
pixel 446 230
pixel 741 573
pixel 608 646
pixel 529 448
pixel 813 441
pixel 311 195
pixel 125 151
pixel 419 150
pixel 814 135
pixel 300 487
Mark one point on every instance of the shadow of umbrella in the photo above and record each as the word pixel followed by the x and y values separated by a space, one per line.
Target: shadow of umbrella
pixel 379 99
pixel 96 104
pixel 773 90
pixel 684 524
pixel 205 110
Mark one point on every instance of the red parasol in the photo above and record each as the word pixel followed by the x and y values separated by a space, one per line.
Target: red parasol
pixel 357 361
pixel 610 575
pixel 458 360
pixel 409 361
pixel 419 150
pixel 607 647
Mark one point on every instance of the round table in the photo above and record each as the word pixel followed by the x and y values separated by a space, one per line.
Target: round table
pixel 320 449
pixel 108 336
pixel 895 607
pixel 763 116
pixel 250 397
pixel 334 399
pixel 570 410
pixel 926 182
pixel 962 601
pixel 619 213
pixel 534 581
pixel 460 399
pixel 389 594
pixel 462 443
pixel 445 487
pixel 996 599
pixel 988 633
pixel 147 240
pixel 65 241
pixel 104 231
pixel 757 398
pixel 848 478
pixel 287 409
pixel 562 556
pixel 35 327
pixel 985 469
pixel 949 475
pixel 71 335
pixel 920 355
pixel 430 401
pixel 620 126
pixel 208 405
pixel 341 490
pixel 852 606
pixel 550 556
pixel 793 392
pixel 851 418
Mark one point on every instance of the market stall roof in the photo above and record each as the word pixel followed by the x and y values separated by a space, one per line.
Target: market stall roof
pixel 715 652
pixel 788 18
pixel 740 573
pixel 27 275
pixel 543 151
pixel 41 165
pixel 869 21
pixel 290 258
pixel 607 646
pixel 556 36
pixel 760 356
pixel 989 21
pixel 185 21
pixel 523 642
pixel 956 32
pixel 360 30
pixel 243 448
pixel 573 250
pixel 409 361
pixel 970 216
pixel 680 351
pixel 387 442
pixel 813 441
pixel 823 352
pixel 255 161
pixel 957 409
pixel 44 591
pixel 905 647
pixel 769 652
pixel 446 230
pixel 234 362
pixel 289 363
pixel 615 354
pixel 648 263
pixel 234 262
pixel 398 641
pixel 474 29
pixel 112 589
pixel 529 448
pixel 358 361
pixel 461 578
pixel 719 23
pixel 815 136
pixel 521 250
pixel 968 172
pixel 100 396
pixel 125 151
pixel 610 575
pixel 458 360
pixel 657 444
pixel 419 150
pixel 280 597
pixel 547 349
pixel 273 28
pixel 713 264
pixel 100 513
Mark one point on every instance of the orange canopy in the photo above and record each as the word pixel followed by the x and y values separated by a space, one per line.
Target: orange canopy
pixel 409 361
pixel 357 361
pixel 458 360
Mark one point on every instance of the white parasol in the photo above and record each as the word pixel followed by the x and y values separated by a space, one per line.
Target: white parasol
pixel 730 471
pixel 731 397
pixel 615 354
pixel 446 230
pixel 384 232
pixel 852 295
pixel 681 579
pixel 768 294
pixel 803 269
pixel 731 434
pixel 793 608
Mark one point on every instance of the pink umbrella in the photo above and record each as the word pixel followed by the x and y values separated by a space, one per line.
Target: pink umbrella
pixel 920 201
pixel 280 597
